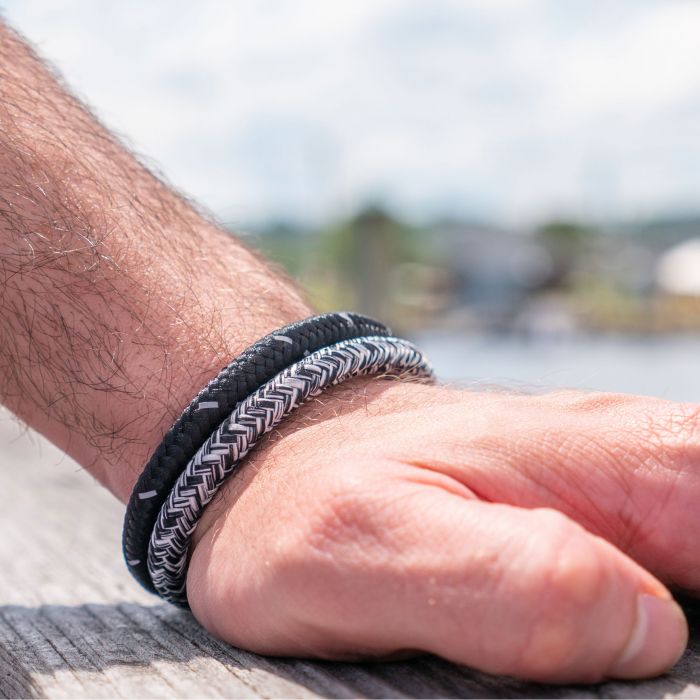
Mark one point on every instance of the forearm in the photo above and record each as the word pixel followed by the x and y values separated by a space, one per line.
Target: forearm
pixel 413 518
pixel 118 300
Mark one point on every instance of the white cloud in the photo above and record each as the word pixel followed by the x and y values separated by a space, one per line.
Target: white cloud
pixel 514 109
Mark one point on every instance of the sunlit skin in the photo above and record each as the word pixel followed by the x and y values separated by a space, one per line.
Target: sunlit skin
pixel 526 535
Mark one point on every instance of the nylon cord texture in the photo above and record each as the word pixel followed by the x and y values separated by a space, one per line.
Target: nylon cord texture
pixel 219 456
pixel 251 369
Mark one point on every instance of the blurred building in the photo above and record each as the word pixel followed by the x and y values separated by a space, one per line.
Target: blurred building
pixel 678 269
pixel 495 271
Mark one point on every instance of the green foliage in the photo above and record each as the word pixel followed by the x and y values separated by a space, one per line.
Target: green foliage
pixel 336 263
pixel 563 234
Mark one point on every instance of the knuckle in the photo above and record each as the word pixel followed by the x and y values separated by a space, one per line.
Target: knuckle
pixel 335 554
pixel 666 438
pixel 347 521
pixel 566 579
pixel 561 560
pixel 596 401
pixel 679 424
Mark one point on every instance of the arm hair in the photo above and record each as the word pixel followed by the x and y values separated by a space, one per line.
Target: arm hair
pixel 119 299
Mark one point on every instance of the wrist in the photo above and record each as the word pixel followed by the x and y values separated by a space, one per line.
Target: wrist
pixel 178 371
pixel 343 417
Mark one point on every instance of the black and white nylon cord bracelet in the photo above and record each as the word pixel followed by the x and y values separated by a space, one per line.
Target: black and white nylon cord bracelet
pixel 249 371
pixel 259 413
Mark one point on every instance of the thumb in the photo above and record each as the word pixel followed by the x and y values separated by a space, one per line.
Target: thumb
pixel 528 593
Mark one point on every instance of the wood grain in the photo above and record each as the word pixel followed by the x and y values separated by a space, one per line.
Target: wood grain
pixel 73 623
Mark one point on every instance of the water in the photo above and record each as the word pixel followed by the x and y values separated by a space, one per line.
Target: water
pixel 663 366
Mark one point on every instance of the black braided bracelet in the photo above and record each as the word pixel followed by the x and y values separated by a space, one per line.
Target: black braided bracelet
pixel 259 413
pixel 249 371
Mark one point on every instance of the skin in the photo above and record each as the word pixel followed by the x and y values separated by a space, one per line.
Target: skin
pixel 527 535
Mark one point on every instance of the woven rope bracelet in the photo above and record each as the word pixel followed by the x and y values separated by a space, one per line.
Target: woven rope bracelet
pixel 250 370
pixel 233 440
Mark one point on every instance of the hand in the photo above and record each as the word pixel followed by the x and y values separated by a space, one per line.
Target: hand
pixel 496 530
pixel 415 523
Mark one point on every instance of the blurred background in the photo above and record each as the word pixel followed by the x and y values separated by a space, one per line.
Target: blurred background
pixel 513 183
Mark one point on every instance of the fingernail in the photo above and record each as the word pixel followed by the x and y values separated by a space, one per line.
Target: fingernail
pixel 657 641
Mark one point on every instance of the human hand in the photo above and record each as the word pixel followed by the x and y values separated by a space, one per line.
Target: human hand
pixel 415 524
pixel 402 518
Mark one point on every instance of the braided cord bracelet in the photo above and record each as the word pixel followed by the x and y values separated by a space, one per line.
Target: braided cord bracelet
pixel 250 370
pixel 255 416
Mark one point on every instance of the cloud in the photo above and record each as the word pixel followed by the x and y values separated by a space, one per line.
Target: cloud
pixel 502 108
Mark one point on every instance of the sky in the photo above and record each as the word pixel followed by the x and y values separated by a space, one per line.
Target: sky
pixel 513 111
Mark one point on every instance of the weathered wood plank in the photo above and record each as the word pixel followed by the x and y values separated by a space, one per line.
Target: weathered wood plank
pixel 73 624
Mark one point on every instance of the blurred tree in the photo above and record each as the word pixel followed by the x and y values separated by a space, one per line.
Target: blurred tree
pixel 375 234
pixel 371 262
pixel 567 243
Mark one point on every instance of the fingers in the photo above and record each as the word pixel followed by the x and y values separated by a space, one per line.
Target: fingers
pixel 531 594
pixel 363 567
pixel 413 566
pixel 627 468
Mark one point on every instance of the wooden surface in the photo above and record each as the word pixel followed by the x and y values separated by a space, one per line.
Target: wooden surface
pixel 73 624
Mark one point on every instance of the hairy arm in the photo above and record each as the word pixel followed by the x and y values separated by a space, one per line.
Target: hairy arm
pixel 118 299
pixel 526 535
